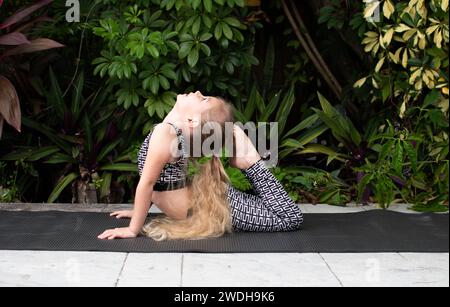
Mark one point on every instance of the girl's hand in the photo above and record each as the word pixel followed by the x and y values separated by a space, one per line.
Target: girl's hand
pixel 128 214
pixel 118 233
pixel 246 153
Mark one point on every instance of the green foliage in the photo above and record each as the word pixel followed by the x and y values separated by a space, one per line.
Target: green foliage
pixel 311 185
pixel 89 145
pixel 8 189
pixel 408 53
pixel 155 49
pixel 410 47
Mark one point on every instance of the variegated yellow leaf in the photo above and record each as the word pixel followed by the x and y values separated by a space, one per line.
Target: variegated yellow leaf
pixel 369 40
pixel 403 109
pixel 405 59
pixel 380 64
pixel 418 85
pixel 388 9
pixel 422 43
pixel 375 84
pixel 369 47
pixel 430 84
pixel 429 74
pixel 376 48
pixel 360 82
pixel 372 34
pixel 402 28
pixel 388 37
pixel 444 5
pixel 394 58
pixel 425 78
pixel 408 34
pixel 438 39
pixel 381 42
pixel 370 9
pixel 415 75
pixel 431 29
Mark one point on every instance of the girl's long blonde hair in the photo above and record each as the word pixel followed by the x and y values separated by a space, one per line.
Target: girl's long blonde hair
pixel 209 214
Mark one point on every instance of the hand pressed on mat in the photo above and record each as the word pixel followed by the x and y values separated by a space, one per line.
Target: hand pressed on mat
pixel 118 233
pixel 125 214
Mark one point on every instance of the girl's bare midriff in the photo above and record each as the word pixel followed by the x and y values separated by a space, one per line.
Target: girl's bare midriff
pixel 174 204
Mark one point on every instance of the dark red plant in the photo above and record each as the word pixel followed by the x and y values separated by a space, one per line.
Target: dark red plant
pixel 14 42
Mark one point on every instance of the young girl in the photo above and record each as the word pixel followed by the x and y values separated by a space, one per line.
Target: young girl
pixel 206 206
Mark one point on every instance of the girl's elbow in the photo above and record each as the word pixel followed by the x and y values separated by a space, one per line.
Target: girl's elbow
pixel 146 185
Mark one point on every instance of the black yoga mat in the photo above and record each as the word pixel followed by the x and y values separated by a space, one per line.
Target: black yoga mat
pixel 371 231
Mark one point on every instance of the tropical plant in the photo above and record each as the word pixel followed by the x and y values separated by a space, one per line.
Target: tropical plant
pixel 14 42
pixel 410 45
pixel 83 139
pixel 312 185
pixel 155 49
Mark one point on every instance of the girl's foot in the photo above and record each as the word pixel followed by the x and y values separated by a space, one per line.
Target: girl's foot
pixel 246 153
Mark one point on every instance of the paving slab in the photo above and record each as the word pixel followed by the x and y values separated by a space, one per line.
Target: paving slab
pixel 151 270
pixel 59 269
pixel 256 270
pixel 390 269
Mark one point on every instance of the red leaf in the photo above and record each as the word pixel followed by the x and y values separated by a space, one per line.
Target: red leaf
pixel 13 39
pixel 21 14
pixel 36 45
pixel 9 105
pixel 24 27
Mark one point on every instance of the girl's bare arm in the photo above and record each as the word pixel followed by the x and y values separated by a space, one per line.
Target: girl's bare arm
pixel 159 153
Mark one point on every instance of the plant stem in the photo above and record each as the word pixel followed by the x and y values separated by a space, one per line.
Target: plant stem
pixel 310 48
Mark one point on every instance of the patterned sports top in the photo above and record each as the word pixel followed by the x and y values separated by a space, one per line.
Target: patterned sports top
pixel 174 174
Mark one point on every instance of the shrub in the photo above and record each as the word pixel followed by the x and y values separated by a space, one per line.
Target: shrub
pixel 154 49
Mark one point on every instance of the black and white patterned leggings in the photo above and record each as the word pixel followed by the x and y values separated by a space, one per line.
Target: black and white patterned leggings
pixel 270 210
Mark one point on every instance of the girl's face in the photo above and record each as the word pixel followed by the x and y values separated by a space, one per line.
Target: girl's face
pixel 193 105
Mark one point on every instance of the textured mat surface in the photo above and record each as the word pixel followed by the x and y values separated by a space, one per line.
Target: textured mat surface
pixel 371 231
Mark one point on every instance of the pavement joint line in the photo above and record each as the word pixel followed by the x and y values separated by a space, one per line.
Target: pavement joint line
pixel 121 270
pixel 331 270
pixel 182 268
pixel 403 257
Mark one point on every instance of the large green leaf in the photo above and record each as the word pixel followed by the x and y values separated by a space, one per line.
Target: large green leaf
pixel 77 97
pixel 285 109
pixel 321 149
pixel 269 66
pixel 341 126
pixel 56 139
pixel 60 158
pixel 257 100
pixel 306 123
pixel 121 167
pixel 105 185
pixel 397 159
pixel 88 139
pixel 55 96
pixel 17 155
pixel 107 149
pixel 311 135
pixel 43 152
pixel 250 106
pixel 412 154
pixel 336 129
pixel 269 110
pixel 62 184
